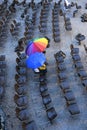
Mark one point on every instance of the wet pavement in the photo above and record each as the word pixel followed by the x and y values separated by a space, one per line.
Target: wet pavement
pixel 37 111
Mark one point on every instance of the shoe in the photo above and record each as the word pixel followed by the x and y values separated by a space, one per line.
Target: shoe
pixel 36 71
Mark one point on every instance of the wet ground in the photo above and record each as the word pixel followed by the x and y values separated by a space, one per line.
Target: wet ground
pixel 64 121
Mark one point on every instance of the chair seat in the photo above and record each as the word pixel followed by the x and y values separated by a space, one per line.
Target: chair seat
pixel 76 58
pixel 57 33
pixel 22 71
pixel 21 90
pixel 82 74
pixel 59 59
pixel 70 102
pixel 67 23
pixel 61 67
pixel 80 37
pixel 79 65
pixel 46 99
pixel 55 23
pixel 73 109
pixel 74 51
pixel 56 29
pixel 55 20
pixel 22 56
pixel 22 101
pixel 68 27
pixel 57 38
pixel 21 80
pixel 84 82
pixel 43 88
pixel 51 114
pixel 2 64
pixel 62 76
pixel 69 96
pixel 23 115
pixel 22 63
pixel 64 85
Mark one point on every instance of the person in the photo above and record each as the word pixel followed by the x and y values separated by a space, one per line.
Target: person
pixel 48 45
pixel 41 70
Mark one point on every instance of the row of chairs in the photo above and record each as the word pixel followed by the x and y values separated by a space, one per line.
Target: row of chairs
pixel 6 16
pixel 27 6
pixel 12 7
pixel 3 27
pixel 79 66
pixel 64 85
pixel 29 33
pixel 34 15
pixel 21 76
pixel 50 110
pixel 21 62
pixel 29 26
pixel 21 45
pixel 21 98
pixel 44 18
pixel 2 23
pixel 15 26
pixel 2 74
pixel 3 6
pixel 68 26
pixel 55 22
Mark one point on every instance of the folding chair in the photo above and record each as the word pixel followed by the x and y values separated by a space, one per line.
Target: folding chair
pixel 61 67
pixel 21 70
pixel 69 96
pixel 43 88
pixel 29 126
pixel 62 76
pixel 21 101
pixel 73 109
pixel 21 55
pixel 76 58
pixel 22 114
pixel 78 65
pixel 21 90
pixel 84 83
pixel 20 79
pixel 64 85
pixel 74 51
pixel 82 74
pixel 51 114
pixel 46 100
